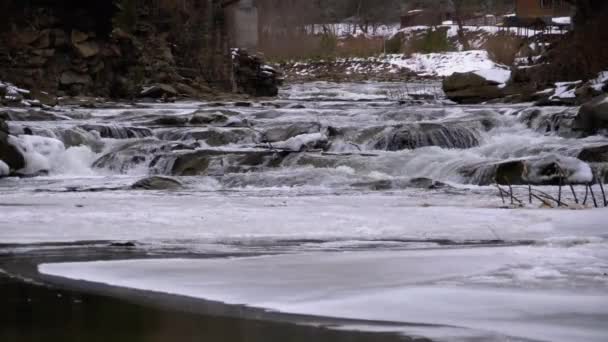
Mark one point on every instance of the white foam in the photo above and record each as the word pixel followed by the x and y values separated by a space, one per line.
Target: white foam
pixel 50 155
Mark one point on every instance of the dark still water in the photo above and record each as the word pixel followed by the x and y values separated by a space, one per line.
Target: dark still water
pixel 38 313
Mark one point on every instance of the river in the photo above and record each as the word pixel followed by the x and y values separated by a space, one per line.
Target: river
pixel 365 205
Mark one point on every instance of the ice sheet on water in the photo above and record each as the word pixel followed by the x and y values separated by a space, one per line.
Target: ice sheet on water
pixel 425 286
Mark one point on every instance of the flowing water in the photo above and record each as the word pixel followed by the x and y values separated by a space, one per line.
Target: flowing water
pixel 358 205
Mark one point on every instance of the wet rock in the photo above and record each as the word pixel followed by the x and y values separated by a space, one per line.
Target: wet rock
pixel 243 104
pixel 285 133
pixel 10 155
pixel 157 183
pixel 70 78
pixel 470 88
pixel 44 98
pixel 379 185
pixel 30 115
pixel 593 116
pixel 208 118
pixel 213 137
pixel 159 91
pixel 596 154
pixel 426 183
pixel 170 120
pixel 209 162
pixel 118 132
pixel 546 170
pixel 429 134
pixel 123 244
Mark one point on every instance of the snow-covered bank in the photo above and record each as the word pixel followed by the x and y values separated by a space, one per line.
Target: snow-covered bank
pixel 433 65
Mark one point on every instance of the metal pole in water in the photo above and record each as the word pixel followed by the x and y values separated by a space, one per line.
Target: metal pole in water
pixel 592 195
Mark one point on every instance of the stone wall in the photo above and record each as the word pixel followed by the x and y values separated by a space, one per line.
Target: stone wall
pixel 78 47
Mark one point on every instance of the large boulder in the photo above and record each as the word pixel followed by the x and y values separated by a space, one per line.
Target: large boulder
pixel 159 91
pixel 10 155
pixel 413 136
pixel 253 77
pixel 544 170
pixel 593 116
pixel 594 154
pixel 470 88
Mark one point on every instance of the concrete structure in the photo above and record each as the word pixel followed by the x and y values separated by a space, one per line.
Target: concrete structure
pixel 242 24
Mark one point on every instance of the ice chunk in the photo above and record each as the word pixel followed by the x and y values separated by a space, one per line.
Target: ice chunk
pixel 551 167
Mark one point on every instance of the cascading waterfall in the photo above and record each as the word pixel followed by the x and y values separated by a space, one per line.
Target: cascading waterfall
pixel 312 140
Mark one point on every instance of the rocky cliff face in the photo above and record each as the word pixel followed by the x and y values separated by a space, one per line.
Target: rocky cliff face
pixel 68 48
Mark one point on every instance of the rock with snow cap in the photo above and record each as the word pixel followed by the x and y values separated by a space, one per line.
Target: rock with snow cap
pixel 593 116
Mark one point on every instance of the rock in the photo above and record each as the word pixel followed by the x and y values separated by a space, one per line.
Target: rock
pixel 413 136
pixel 379 185
pixel 87 49
pixel 207 118
pixel 37 61
pixel 44 40
pixel 78 37
pixel 158 91
pixel 9 154
pixel 243 104
pixel 459 81
pixel 27 37
pixel 170 121
pixel 4 127
pixel 470 88
pixel 187 90
pixel 285 133
pixel 59 38
pixel 30 115
pixel 44 98
pixel 71 77
pixel 117 132
pixel 545 170
pixel 253 77
pixel 596 154
pixel 128 244
pixel 157 183
pixel 211 162
pixel 426 183
pixel 593 116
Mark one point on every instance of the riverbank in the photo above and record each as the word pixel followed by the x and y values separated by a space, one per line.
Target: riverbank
pixel 32 312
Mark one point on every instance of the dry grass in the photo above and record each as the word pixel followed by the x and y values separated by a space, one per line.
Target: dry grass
pixel 301 45
pixel 503 48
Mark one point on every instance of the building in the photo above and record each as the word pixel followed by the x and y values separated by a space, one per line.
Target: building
pixel 242 24
pixel 424 17
pixel 541 9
